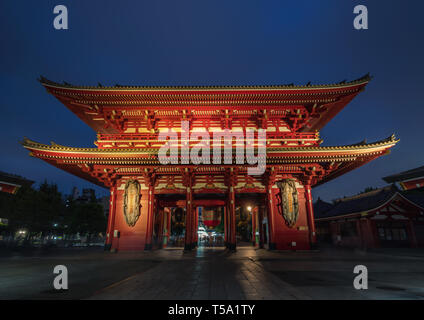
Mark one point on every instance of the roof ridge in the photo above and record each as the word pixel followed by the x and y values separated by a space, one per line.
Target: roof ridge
pixel 364 79
pixel 367 194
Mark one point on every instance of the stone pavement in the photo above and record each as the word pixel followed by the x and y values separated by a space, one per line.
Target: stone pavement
pixel 204 274
pixel 216 274
pixel 259 274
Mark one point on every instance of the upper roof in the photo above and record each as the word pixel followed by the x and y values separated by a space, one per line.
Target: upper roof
pixel 115 109
pixel 364 79
pixel 405 175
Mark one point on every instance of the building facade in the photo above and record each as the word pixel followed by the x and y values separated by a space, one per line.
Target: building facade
pixel 385 217
pixel 11 183
pixel 145 192
pixel 408 180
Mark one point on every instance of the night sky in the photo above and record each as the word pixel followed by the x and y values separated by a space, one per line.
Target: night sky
pixel 214 43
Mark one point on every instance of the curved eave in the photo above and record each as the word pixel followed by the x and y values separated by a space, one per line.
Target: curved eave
pixel 79 161
pixel 122 153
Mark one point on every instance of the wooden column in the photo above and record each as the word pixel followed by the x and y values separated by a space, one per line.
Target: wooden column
pixel 168 228
pixel 270 178
pixel 232 218
pixel 111 217
pixel 195 225
pixel 310 216
pixel 188 241
pixel 162 224
pixel 372 241
pixel 413 237
pixel 254 227
pixel 226 236
pixel 231 181
pixel 150 216
pixel 270 215
pixel 166 216
pixel 360 237
pixel 260 226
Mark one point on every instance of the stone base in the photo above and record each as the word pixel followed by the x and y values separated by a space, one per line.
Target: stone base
pixel 272 246
pixel 232 247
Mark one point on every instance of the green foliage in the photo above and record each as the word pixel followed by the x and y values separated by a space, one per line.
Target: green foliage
pixel 85 218
pixel 367 189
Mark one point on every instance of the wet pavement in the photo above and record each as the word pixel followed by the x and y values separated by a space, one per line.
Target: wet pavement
pixel 213 273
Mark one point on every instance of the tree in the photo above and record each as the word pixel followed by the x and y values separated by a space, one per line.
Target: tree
pixel 85 218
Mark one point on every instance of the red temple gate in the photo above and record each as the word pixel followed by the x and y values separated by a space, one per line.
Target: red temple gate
pixel 129 121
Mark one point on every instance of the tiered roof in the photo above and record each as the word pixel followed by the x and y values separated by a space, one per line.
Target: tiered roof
pixel 133 116
pixel 109 110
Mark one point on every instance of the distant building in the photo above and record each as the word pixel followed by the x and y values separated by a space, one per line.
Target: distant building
pixel 87 195
pixel 408 180
pixel 75 193
pixel 385 217
pixel 11 183
pixel 105 202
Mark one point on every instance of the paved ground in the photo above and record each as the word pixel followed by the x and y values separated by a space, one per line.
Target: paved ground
pixel 214 274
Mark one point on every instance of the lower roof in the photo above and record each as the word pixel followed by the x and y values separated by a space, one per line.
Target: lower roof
pixel 364 202
pixel 321 163
pixel 14 179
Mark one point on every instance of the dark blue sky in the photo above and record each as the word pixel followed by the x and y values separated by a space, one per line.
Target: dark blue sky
pixel 214 43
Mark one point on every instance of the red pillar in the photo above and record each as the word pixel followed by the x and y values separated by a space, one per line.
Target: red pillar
pixel 167 225
pixel 254 227
pixel 260 227
pixel 411 229
pixel 232 218
pixel 195 225
pixel 161 232
pixel 168 228
pixel 226 238
pixel 310 216
pixel 270 215
pixel 150 218
pixel 111 217
pixel 371 239
pixel 359 231
pixel 188 241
